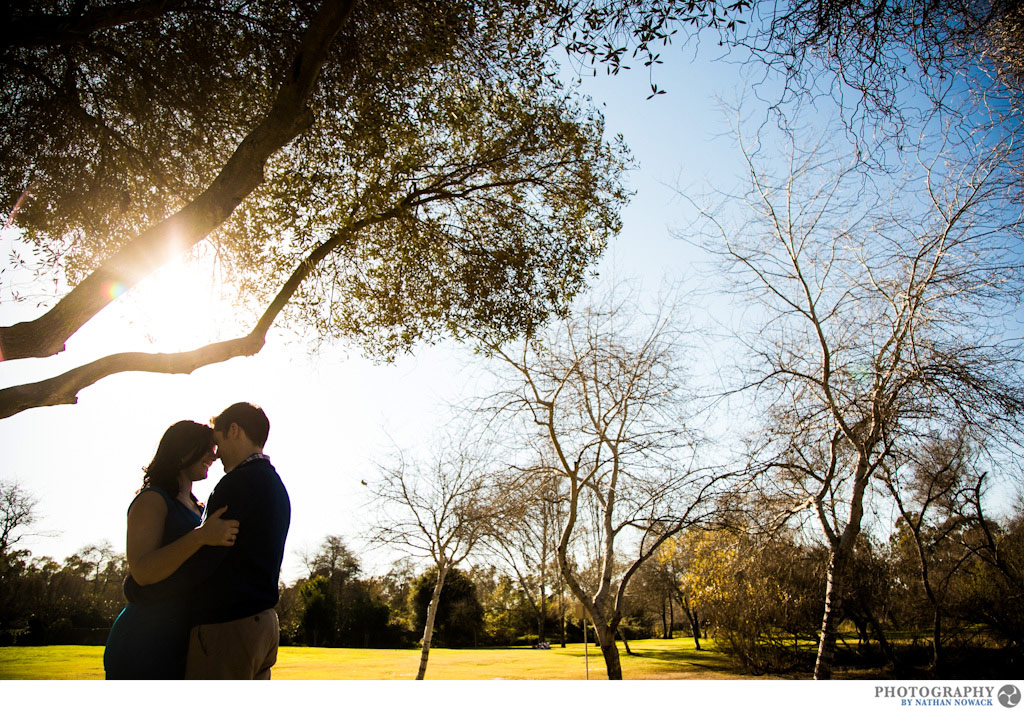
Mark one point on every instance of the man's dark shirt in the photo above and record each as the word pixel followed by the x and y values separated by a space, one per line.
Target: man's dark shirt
pixel 227 583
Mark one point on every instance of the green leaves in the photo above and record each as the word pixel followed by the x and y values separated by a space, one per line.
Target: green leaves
pixel 495 202
pixel 476 193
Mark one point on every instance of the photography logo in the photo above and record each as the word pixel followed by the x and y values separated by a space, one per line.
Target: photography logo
pixel 1009 696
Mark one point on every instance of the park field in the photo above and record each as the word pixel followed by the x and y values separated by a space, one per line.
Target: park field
pixel 654 659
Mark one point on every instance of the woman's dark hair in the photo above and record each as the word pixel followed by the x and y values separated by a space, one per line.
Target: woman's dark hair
pixel 183 444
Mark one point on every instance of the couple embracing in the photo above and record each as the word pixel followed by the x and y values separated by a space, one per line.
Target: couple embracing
pixel 203 582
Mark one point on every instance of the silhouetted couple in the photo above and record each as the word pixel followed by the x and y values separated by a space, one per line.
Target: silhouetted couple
pixel 203 585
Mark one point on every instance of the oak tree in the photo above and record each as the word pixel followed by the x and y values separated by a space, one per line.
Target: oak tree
pixel 379 171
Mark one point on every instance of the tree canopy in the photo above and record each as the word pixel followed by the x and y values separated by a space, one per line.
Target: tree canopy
pixel 390 172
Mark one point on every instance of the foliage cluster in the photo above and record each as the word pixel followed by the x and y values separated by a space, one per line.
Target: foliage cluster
pixel 387 172
pixel 761 598
pixel 43 601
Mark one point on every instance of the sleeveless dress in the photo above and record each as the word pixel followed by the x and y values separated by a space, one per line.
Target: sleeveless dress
pixel 149 639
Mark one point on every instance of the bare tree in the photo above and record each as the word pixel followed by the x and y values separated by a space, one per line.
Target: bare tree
pixel 100 561
pixel 17 512
pixel 525 543
pixel 877 60
pixel 605 395
pixel 943 493
pixel 438 511
pixel 931 490
pixel 873 318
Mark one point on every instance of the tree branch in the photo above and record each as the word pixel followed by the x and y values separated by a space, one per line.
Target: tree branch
pixel 64 388
pixel 50 30
pixel 288 117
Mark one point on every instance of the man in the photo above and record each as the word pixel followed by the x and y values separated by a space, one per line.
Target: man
pixel 235 629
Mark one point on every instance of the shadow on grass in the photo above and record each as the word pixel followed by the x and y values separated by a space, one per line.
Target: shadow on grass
pixel 674 654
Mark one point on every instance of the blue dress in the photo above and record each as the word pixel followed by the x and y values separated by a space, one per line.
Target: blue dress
pixel 149 638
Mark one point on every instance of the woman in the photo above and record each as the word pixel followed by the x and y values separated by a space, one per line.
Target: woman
pixel 149 639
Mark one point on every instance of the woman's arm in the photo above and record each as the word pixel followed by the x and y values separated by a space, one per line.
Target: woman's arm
pixel 148 562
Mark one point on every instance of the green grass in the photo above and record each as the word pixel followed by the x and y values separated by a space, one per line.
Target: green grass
pixel 51 662
pixel 655 659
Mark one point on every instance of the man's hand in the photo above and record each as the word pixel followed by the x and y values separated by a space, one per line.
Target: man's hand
pixel 218 532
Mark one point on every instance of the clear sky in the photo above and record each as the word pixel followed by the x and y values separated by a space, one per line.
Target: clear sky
pixel 332 413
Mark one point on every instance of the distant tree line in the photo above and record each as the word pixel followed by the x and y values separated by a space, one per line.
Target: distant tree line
pixel 759 598
pixel 479 606
pixel 943 590
pixel 43 601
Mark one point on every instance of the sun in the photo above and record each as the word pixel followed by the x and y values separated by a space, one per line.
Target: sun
pixel 181 306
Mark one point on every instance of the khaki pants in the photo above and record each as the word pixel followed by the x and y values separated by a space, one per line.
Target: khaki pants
pixel 243 649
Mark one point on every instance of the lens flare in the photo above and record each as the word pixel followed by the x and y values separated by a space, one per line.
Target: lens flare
pixel 114 289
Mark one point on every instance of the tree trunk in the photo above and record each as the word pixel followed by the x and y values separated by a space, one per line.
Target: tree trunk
pixel 887 648
pixel 926 582
pixel 428 628
pixel 830 620
pixel 543 614
pixel 694 627
pixel 691 616
pixel 933 599
pixel 671 616
pixel 561 611
pixel 606 639
pixel 625 643
pixel 937 638
pixel 861 623
pixel 840 552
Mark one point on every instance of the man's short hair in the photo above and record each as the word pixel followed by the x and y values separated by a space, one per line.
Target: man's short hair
pixel 249 417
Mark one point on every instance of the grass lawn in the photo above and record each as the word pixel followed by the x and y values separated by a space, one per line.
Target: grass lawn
pixel 655 659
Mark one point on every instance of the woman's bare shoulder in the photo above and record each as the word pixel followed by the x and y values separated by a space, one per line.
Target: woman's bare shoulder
pixel 148 500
